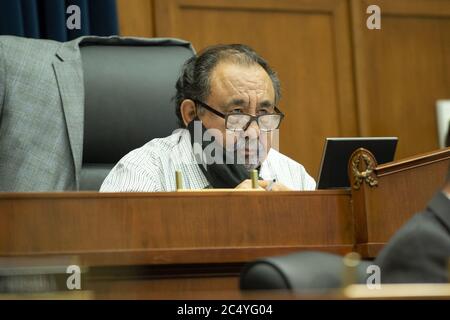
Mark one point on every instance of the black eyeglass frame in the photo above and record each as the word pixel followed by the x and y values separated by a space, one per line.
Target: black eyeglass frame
pixel 252 118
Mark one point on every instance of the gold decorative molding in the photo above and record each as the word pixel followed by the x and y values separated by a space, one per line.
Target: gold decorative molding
pixel 361 169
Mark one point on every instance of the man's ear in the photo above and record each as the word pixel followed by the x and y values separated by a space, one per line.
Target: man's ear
pixel 188 111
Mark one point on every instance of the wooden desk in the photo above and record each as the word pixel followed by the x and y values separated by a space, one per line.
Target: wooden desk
pixel 399 190
pixel 199 241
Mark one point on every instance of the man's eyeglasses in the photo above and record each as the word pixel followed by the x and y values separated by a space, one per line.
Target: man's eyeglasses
pixel 241 121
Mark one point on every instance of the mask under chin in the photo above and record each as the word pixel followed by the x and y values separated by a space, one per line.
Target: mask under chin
pixel 251 166
pixel 217 169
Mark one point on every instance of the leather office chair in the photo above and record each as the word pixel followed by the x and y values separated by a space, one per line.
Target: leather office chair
pixel 316 272
pixel 128 91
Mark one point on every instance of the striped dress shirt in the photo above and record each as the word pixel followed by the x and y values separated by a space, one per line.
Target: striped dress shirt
pixel 152 168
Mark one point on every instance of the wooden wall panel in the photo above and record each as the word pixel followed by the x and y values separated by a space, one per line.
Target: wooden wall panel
pixel 402 69
pixel 136 18
pixel 307 43
pixel 338 77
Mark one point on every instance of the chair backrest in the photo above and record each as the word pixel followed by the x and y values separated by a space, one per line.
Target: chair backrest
pixel 307 271
pixel 128 99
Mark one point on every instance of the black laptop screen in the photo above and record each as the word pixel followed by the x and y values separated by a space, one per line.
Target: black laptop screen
pixel 337 151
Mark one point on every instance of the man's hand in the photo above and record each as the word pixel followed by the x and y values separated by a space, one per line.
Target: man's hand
pixel 247 184
pixel 263 185
pixel 276 186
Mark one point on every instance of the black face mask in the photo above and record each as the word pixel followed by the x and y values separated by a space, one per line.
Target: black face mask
pixel 219 175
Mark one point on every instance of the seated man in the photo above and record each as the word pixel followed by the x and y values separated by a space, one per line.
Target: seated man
pixel 420 251
pixel 226 103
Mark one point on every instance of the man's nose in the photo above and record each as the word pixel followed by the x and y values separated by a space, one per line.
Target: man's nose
pixel 252 131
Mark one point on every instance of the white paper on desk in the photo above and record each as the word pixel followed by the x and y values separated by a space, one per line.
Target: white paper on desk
pixel 443 120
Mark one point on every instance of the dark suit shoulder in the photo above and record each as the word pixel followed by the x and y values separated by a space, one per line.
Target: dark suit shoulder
pixel 418 252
